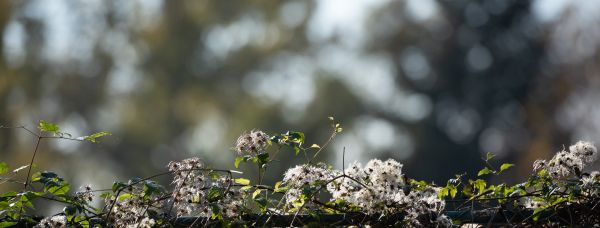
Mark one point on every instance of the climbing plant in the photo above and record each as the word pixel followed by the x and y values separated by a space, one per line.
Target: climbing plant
pixel 560 191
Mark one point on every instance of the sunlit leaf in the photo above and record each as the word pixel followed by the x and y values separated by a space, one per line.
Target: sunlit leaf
pixel 242 181
pixel 48 127
pixel 480 185
pixel 125 196
pixel 238 159
pixel 256 193
pixel 506 166
pixel 3 168
pixel 61 189
pixel 315 146
pixel 7 224
pixel 93 138
pixel 297 137
pixel 489 156
pixel 484 171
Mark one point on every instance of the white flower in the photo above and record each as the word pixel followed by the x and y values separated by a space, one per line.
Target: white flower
pixel 585 150
pixel 57 221
pixel 564 164
pixel 252 143
pixel 539 165
pixel 444 221
pixel 386 174
pixel 588 181
pixel 306 174
pixel 144 223
pixel 85 194
pixel 532 204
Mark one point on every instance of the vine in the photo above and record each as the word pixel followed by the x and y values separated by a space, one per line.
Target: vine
pixel 559 192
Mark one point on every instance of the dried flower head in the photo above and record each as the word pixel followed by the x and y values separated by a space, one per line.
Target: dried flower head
pixel 585 150
pixel 252 143
pixel 532 203
pixel 539 165
pixel 57 221
pixel 306 174
pixel 590 181
pixel 85 194
pixel 564 164
pixel 193 187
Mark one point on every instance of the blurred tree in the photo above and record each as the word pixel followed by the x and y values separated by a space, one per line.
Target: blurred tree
pixel 436 83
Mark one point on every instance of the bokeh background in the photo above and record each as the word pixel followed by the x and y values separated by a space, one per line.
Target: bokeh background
pixel 435 84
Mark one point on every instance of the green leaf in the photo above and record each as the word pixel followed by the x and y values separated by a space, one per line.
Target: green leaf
pixel 7 224
pixel 262 203
pixel 467 191
pixel 48 127
pixel 105 195
pixel 277 185
pixel 484 171
pixel 242 181
pixel 453 191
pixel 125 196
pixel 263 158
pixel 70 210
pixel 118 185
pixel 151 187
pixel 443 193
pixel 216 212
pixel 238 159
pixel 297 149
pixel 256 193
pixel 489 156
pixel 214 194
pixel 296 137
pixel 9 194
pixel 537 213
pixel 480 185
pixel 95 136
pixel 3 168
pixel 60 189
pixel 506 166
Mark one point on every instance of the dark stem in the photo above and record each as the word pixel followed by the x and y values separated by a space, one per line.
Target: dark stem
pixel 37 145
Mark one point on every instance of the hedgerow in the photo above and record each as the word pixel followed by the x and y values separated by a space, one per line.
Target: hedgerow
pixel 560 191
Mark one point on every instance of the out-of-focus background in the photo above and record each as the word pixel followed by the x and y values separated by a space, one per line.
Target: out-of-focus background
pixel 435 84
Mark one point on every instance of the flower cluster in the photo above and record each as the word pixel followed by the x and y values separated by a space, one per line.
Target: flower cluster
pixel 57 221
pixel 130 209
pixel 533 203
pixel 304 175
pixel 301 175
pixel 144 223
pixel 252 143
pixel 196 191
pixel 377 188
pixel 568 163
pixel 380 187
pixel 585 150
pixel 190 183
pixel 86 194
pixel 590 184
